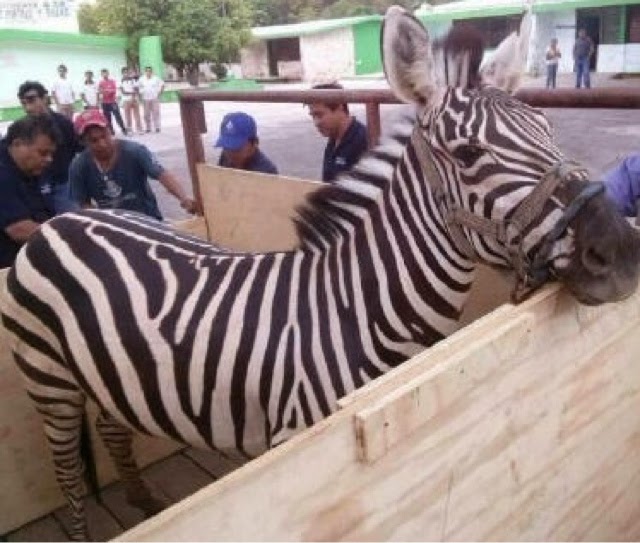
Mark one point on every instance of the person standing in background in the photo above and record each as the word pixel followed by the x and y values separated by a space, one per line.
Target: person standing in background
pixel 89 93
pixel 107 94
pixel 62 93
pixel 130 90
pixel 582 51
pixel 552 58
pixel 151 87
pixel 347 137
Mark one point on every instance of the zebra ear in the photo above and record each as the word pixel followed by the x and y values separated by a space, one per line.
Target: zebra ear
pixel 407 58
pixel 505 66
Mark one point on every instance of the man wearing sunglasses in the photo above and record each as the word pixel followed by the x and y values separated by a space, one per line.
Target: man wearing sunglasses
pixel 55 180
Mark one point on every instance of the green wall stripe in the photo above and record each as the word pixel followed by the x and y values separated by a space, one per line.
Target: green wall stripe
pixel 62 38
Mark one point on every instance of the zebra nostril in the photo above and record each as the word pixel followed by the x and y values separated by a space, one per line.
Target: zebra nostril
pixel 597 260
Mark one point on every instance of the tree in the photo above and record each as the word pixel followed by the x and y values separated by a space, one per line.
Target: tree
pixel 192 31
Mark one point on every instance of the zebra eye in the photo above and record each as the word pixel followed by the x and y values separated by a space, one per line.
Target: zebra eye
pixel 468 154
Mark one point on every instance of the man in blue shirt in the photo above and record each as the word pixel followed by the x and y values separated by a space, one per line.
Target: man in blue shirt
pixel 55 180
pixel 240 145
pixel 25 153
pixel 347 136
pixel 623 185
pixel 113 174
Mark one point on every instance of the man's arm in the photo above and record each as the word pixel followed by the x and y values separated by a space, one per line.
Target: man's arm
pixel 22 230
pixel 171 183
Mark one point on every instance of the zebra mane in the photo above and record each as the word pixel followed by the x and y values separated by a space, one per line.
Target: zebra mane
pixel 458 57
pixel 322 216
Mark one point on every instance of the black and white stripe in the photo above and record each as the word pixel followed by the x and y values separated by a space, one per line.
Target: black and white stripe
pixel 174 337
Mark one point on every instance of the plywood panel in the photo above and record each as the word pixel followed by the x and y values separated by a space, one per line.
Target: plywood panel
pixel 533 438
pixel 250 211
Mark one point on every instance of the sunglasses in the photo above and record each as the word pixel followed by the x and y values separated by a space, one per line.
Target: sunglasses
pixel 29 98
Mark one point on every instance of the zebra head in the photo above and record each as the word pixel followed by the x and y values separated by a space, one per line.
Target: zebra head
pixel 503 187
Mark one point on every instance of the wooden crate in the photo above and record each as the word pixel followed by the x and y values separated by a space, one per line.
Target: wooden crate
pixel 242 211
pixel 524 425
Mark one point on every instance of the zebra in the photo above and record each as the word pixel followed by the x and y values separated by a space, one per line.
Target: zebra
pixel 174 337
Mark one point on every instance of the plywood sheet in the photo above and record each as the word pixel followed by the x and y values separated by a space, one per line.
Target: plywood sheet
pixel 536 437
pixel 250 211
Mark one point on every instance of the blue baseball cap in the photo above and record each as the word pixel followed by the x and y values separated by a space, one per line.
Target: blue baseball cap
pixel 235 130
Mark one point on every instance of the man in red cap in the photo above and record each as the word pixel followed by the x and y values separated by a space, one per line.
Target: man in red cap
pixel 113 174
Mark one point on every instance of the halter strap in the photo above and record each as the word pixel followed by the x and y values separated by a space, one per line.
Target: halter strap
pixel 529 276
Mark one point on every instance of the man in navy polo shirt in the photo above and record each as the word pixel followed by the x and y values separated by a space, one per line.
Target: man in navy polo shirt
pixel 240 145
pixel 25 153
pixel 347 136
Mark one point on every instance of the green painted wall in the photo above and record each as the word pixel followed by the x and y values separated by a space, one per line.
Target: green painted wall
pixel 366 37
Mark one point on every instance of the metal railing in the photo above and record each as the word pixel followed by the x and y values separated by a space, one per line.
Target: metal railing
pixel 194 122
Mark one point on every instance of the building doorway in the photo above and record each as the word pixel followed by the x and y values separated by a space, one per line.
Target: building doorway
pixel 590 21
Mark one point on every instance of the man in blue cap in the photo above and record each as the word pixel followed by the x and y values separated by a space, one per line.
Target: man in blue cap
pixel 239 142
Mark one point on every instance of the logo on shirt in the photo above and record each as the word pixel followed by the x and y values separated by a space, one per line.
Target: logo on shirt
pixel 112 189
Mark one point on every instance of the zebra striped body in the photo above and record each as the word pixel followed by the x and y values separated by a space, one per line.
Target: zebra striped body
pixel 174 337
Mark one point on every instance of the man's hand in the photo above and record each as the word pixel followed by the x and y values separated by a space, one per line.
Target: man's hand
pixel 190 206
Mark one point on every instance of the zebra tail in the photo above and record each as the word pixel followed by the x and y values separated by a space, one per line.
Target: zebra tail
pixel 89 459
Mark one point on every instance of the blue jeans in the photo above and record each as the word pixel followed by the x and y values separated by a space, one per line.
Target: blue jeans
pixel 552 72
pixel 582 73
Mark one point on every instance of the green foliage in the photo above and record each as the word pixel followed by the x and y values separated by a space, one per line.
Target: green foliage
pixel 192 31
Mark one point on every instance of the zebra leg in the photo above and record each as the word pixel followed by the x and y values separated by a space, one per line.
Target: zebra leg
pixel 119 441
pixel 63 427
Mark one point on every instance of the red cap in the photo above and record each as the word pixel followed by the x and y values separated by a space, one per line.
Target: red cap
pixel 89 117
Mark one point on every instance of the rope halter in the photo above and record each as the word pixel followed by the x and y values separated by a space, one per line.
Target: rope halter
pixel 529 274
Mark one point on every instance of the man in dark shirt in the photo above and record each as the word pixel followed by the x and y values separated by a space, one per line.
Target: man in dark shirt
pixel 583 49
pixel 240 145
pixel 114 174
pixel 55 180
pixel 347 136
pixel 25 153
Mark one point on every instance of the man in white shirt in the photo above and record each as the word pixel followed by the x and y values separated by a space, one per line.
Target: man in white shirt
pixel 151 87
pixel 62 93
pixel 89 93
pixel 130 92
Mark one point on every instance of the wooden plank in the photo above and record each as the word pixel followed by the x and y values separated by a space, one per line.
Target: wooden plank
pixel 213 462
pixel 45 529
pixel 196 226
pixel 393 418
pixel 115 502
pixel 544 446
pixel 101 524
pixel 177 477
pixel 250 211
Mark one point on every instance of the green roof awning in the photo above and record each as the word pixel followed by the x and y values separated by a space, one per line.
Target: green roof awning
pixel 65 38
pixel 472 9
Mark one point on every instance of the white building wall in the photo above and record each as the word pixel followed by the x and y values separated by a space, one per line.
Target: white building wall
pixel 611 58
pixel 254 60
pixel 632 57
pixel 328 56
pixel 554 24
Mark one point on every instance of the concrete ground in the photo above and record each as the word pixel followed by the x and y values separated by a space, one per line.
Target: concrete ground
pixel 596 138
